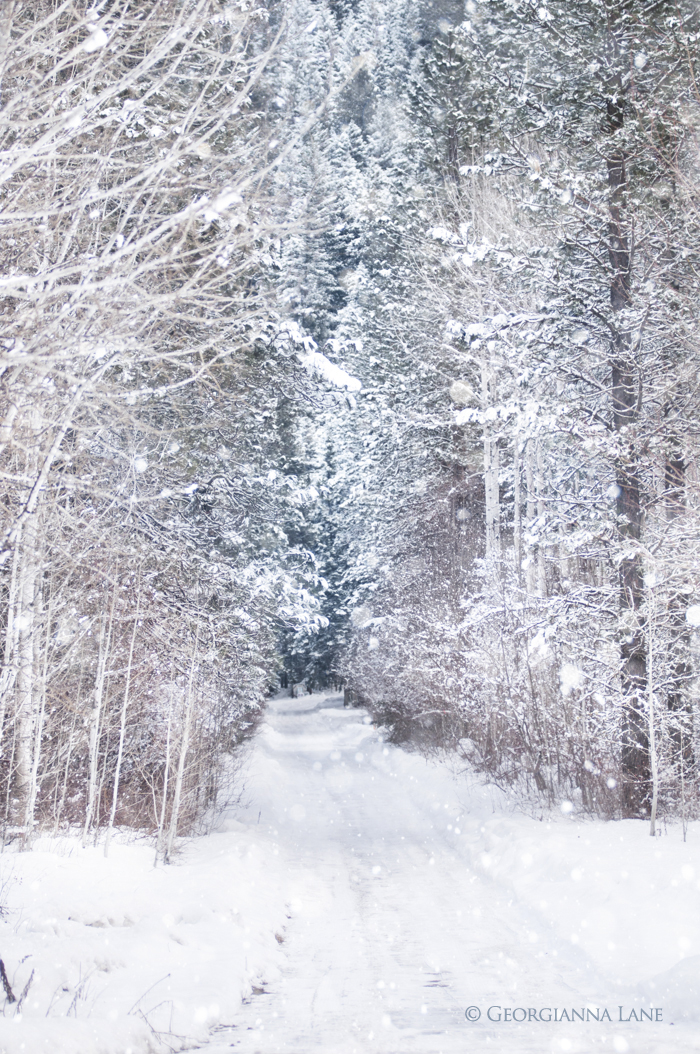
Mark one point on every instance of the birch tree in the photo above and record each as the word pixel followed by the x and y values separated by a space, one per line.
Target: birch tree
pixel 137 224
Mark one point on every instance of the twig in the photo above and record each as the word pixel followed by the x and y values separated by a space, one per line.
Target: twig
pixel 146 993
pixel 6 983
pixel 164 1037
pixel 25 991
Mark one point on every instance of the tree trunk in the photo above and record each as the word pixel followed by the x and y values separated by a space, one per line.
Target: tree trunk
pixel 533 554
pixel 122 722
pixel 679 705
pixel 626 400
pixel 41 672
pixel 184 747
pixel 96 714
pixel 491 467
pixel 20 638
pixel 8 674
pixel 517 511
pixel 25 714
pixel 541 566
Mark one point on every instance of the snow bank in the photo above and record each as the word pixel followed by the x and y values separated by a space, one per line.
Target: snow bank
pixel 677 990
pixel 128 957
pixel 628 902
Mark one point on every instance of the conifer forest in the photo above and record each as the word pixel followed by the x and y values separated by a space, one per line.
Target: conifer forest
pixel 348 344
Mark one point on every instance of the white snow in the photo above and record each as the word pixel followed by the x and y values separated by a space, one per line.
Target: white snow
pixel 461 394
pixel 442 234
pixel 316 362
pixel 120 948
pixel 692 615
pixel 361 616
pixel 74 118
pixel 313 360
pixel 570 678
pixel 96 40
pixel 360 901
pixel 225 200
pixel 463 417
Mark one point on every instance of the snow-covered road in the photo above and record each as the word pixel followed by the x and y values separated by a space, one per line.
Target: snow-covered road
pixel 397 921
pixel 360 901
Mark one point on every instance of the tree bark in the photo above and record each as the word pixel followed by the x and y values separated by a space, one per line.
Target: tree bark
pixel 626 399
pixel 105 643
pixel 25 702
pixel 184 747
pixel 491 468
pixel 122 722
pixel 517 510
pixel 541 566
pixel 678 703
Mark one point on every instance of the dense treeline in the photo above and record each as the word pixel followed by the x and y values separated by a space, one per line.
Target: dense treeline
pixel 347 342
pixel 519 573
pixel 144 580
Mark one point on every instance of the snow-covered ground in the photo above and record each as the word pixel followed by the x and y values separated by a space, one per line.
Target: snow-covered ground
pixel 363 900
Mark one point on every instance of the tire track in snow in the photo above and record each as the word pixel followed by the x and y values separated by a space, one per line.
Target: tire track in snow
pixel 393 930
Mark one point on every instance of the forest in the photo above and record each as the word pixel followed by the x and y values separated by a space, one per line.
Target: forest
pixel 347 343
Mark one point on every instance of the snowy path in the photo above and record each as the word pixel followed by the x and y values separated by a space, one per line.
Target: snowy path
pixel 359 903
pixel 395 927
